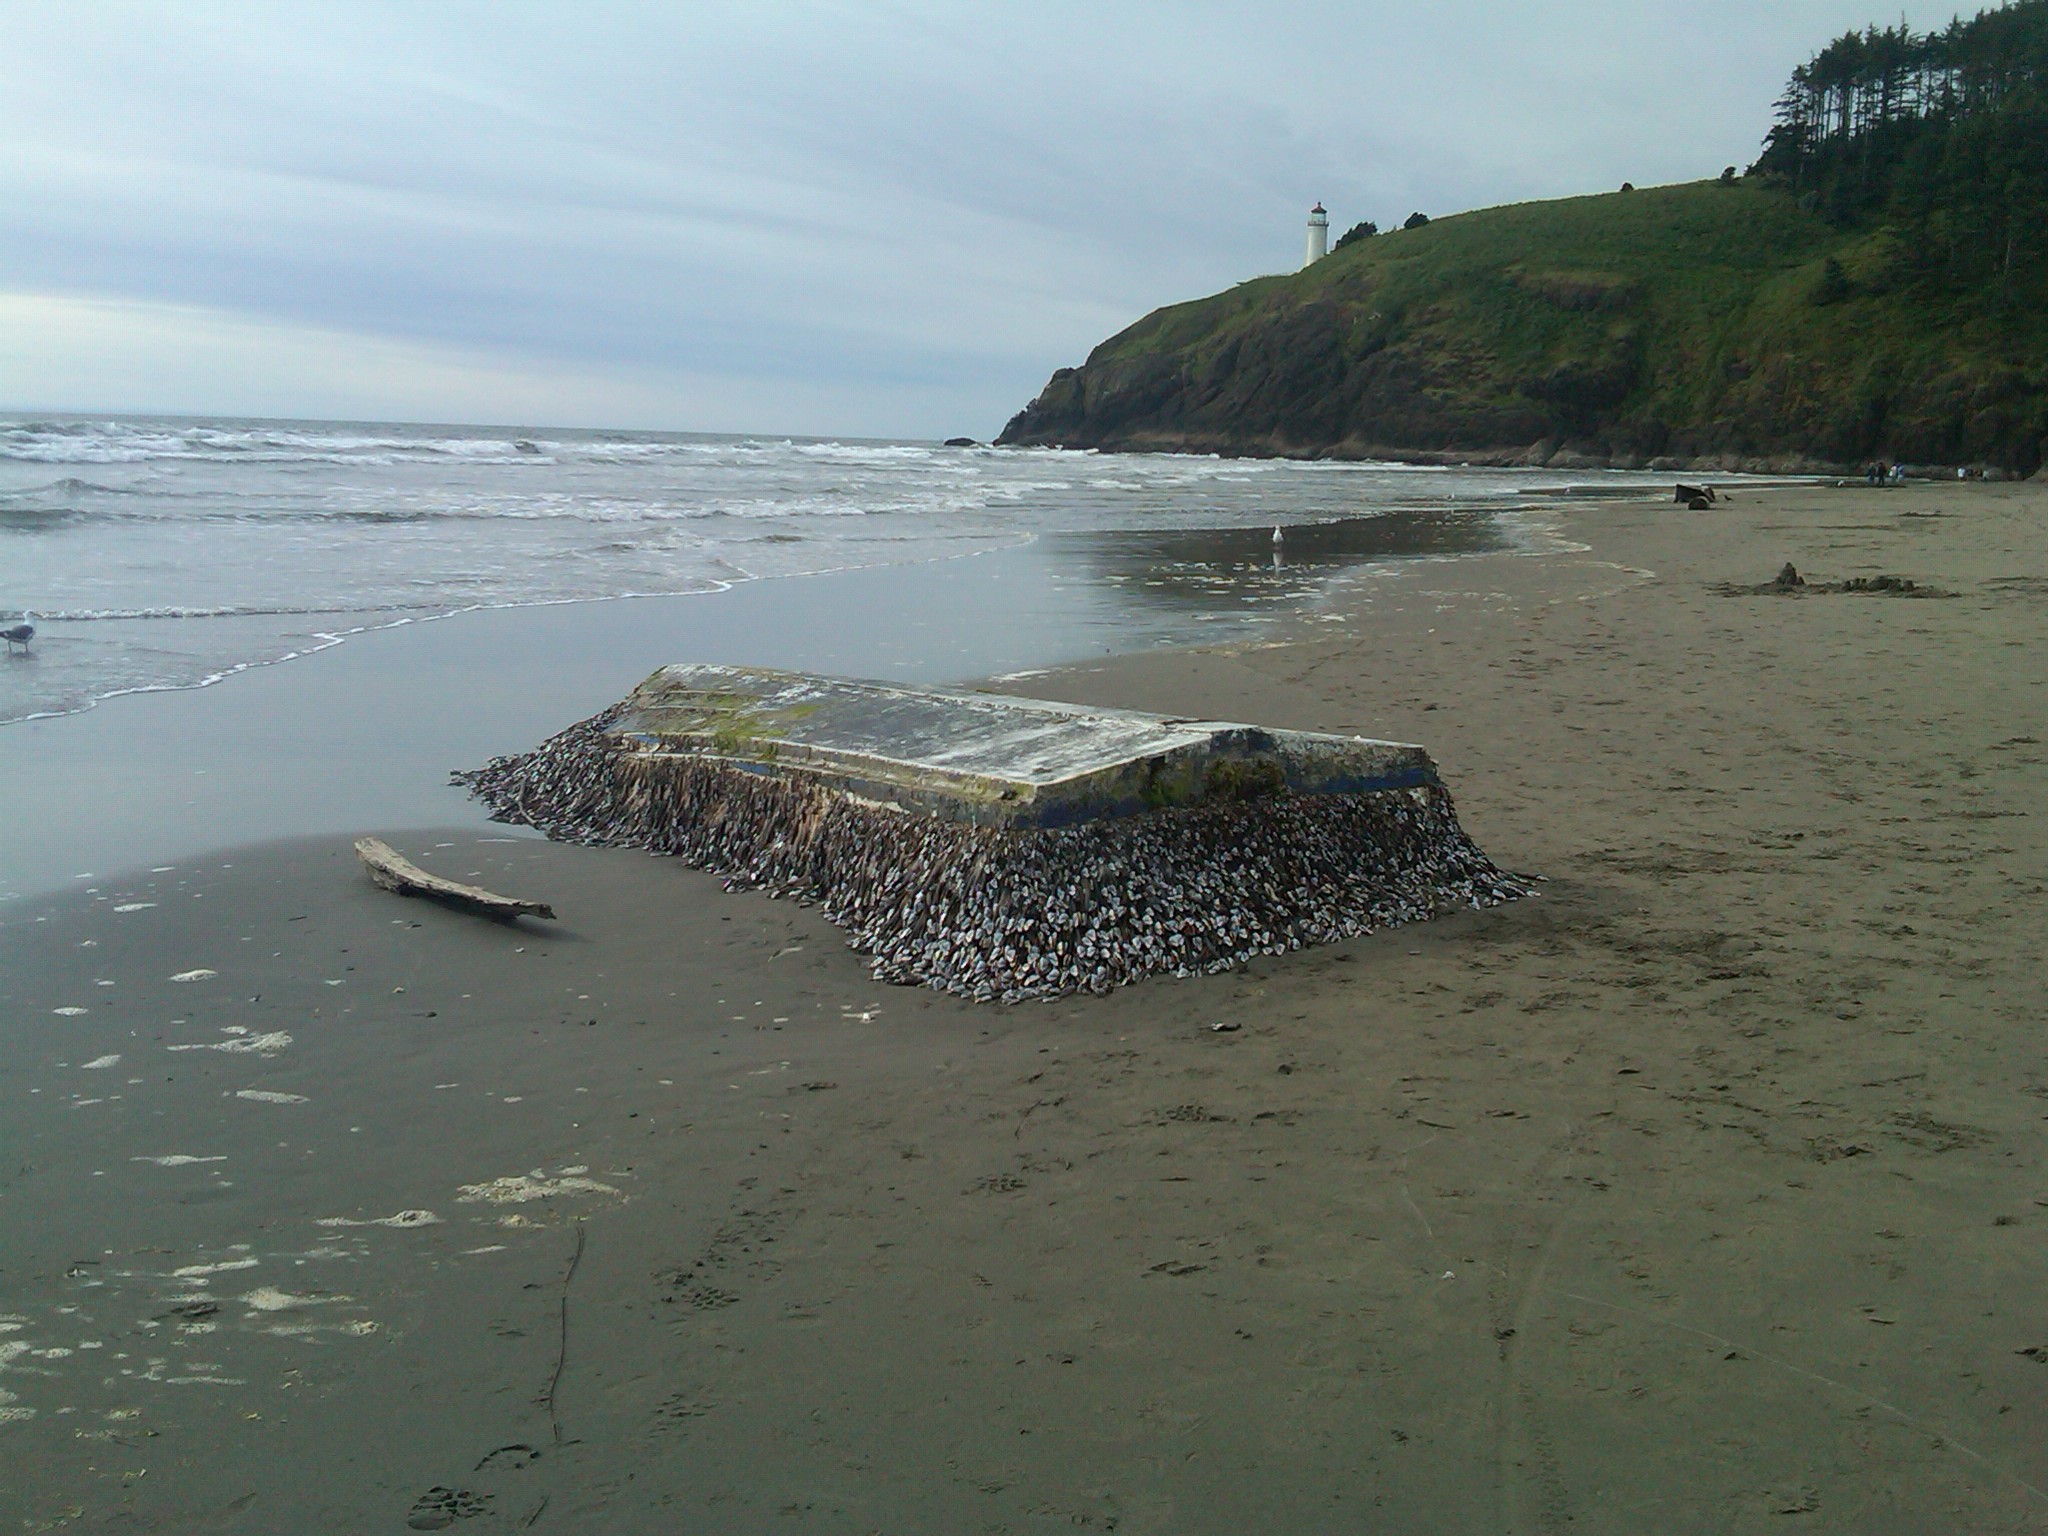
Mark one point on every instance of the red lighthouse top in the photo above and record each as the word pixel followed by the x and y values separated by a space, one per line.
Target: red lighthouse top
pixel 1319 208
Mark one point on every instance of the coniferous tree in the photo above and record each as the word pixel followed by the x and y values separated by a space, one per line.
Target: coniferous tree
pixel 1942 134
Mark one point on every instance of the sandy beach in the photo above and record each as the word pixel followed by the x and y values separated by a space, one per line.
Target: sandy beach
pixel 1702 1192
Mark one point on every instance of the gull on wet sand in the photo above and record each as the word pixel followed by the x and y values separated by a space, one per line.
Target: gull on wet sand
pixel 19 634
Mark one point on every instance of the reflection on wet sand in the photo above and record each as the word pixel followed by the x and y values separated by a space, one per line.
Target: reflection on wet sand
pixel 1208 570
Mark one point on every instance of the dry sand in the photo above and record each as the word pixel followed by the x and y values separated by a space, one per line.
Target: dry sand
pixel 1701 1193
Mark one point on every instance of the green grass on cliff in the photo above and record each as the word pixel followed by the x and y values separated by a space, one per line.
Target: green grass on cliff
pixel 1686 321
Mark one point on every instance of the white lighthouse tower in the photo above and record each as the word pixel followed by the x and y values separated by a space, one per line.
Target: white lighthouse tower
pixel 1318 235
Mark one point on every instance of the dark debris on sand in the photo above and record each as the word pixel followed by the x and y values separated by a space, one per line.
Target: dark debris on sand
pixel 1789 583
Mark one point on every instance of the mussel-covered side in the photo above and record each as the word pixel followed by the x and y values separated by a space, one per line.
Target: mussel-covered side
pixel 1006 914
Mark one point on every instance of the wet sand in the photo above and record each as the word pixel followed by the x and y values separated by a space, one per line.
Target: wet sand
pixel 1703 1192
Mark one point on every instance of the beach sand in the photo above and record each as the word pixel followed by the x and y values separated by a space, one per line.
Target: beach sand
pixel 1702 1192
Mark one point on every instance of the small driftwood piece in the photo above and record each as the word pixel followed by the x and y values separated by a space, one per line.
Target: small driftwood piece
pixel 394 872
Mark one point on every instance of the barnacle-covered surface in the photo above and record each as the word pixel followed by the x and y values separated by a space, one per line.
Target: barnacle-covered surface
pixel 1007 912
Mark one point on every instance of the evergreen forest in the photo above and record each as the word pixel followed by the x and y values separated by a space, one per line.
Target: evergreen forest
pixel 1942 135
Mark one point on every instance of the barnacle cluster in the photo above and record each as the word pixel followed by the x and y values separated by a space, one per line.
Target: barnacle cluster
pixel 1007 913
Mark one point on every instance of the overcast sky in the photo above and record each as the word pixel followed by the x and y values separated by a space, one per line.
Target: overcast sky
pixel 881 219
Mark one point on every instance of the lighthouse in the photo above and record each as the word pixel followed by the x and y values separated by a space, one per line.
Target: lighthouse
pixel 1318 235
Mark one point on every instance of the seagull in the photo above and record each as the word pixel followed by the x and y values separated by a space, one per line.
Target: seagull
pixel 19 635
pixel 1276 533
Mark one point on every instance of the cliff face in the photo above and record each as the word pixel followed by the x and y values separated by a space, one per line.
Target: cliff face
pixel 1692 324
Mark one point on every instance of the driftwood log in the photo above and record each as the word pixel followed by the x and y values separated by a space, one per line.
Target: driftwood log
pixel 394 872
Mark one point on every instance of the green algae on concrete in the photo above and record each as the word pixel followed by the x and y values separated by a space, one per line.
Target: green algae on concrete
pixel 991 759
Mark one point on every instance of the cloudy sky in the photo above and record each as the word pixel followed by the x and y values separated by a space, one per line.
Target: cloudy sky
pixel 880 218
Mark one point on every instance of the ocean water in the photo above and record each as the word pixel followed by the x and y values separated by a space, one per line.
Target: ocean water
pixel 171 553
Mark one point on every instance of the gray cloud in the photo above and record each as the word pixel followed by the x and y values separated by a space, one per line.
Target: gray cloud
pixel 907 214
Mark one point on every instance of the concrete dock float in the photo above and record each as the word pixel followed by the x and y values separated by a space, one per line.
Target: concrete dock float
pixel 1001 847
pixel 991 759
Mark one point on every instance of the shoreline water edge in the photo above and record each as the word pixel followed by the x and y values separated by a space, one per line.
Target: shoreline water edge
pixel 159 553
pixel 1705 1181
pixel 367 732
pixel 182 590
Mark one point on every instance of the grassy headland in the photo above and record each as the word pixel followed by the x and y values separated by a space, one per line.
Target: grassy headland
pixel 1719 321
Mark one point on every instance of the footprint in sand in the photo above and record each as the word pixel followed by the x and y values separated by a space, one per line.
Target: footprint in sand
pixel 703 1298
pixel 678 1408
pixel 438 1508
pixel 511 1457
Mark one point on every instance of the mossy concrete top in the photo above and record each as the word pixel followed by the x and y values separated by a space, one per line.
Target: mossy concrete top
pixel 991 759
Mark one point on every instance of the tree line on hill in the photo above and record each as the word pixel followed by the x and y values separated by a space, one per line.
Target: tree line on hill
pixel 1942 135
pixel 1365 229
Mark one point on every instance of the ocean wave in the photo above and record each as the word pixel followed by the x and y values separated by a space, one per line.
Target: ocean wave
pixel 870 453
pixel 70 485
pixel 143 453
pixel 132 443
pixel 204 611
pixel 851 502
pixel 35 519
pixel 49 441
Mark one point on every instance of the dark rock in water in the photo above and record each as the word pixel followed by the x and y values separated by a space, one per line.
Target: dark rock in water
pixel 962 442
pixel 1877 584
pixel 1789 577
